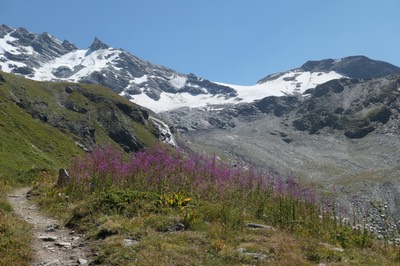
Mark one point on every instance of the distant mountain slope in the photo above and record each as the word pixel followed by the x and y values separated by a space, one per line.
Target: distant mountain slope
pixel 360 67
pixel 43 57
pixel 45 123
pixel 344 133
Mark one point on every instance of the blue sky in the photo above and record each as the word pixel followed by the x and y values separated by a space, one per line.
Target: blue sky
pixel 232 41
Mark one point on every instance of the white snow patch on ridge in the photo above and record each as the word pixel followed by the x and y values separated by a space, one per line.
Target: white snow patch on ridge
pixel 293 82
pixel 140 80
pixel 81 61
pixel 10 65
pixel 290 83
pixel 6 47
pixel 178 81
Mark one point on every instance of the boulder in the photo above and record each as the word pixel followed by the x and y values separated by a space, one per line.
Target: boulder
pixel 63 178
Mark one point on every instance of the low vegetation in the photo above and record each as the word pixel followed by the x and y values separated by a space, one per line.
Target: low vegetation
pixel 40 126
pixel 162 207
pixel 157 206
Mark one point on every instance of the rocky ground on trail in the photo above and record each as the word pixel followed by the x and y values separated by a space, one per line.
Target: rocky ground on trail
pixel 52 243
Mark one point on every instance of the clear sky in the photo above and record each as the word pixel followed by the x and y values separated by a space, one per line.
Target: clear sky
pixel 232 41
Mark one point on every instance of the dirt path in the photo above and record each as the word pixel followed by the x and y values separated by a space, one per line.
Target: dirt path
pixel 53 244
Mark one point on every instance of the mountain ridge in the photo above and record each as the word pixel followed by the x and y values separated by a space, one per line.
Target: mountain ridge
pixel 43 57
pixel 99 64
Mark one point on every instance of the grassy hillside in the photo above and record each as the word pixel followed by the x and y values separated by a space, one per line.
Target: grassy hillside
pixel 42 123
pixel 42 126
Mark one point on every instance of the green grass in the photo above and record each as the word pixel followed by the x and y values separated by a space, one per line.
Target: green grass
pixel 29 143
pixel 214 229
pixel 30 146
pixel 15 238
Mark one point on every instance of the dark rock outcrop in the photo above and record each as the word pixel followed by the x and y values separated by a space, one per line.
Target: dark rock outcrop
pixel 353 66
pixel 86 113
pixel 356 107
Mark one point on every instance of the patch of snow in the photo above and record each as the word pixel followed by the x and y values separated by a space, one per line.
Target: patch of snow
pixel 92 62
pixel 178 81
pixel 291 83
pixel 140 80
pixel 10 65
pixel 28 50
pixel 6 47
pixel 211 108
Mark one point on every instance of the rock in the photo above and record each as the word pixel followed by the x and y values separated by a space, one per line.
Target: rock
pixel 338 249
pixel 52 228
pixel 258 226
pixel 82 262
pixel 52 263
pixel 63 244
pixel 130 242
pixel 63 178
pixel 177 227
pixel 69 90
pixel 48 238
pixel 257 256
pixel 241 250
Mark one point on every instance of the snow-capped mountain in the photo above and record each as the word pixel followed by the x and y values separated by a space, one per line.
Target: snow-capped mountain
pixel 45 58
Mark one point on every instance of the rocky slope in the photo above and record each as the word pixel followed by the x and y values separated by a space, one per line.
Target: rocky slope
pixel 343 133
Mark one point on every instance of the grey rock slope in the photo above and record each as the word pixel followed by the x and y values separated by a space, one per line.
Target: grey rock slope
pixel 360 67
pixel 353 66
pixel 344 133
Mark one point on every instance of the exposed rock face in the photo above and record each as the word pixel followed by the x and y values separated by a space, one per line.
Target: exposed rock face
pixel 31 50
pixel 353 66
pixel 359 67
pixel 351 106
pixel 342 132
pixel 355 107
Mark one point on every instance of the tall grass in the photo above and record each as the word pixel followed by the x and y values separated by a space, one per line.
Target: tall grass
pixel 240 192
pixel 160 170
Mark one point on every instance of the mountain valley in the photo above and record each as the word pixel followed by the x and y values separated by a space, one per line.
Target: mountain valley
pixel 332 125
pixel 334 122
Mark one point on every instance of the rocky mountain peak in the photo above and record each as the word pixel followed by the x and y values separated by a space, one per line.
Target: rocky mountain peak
pixel 69 45
pixel 97 44
pixel 353 66
pixel 4 29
